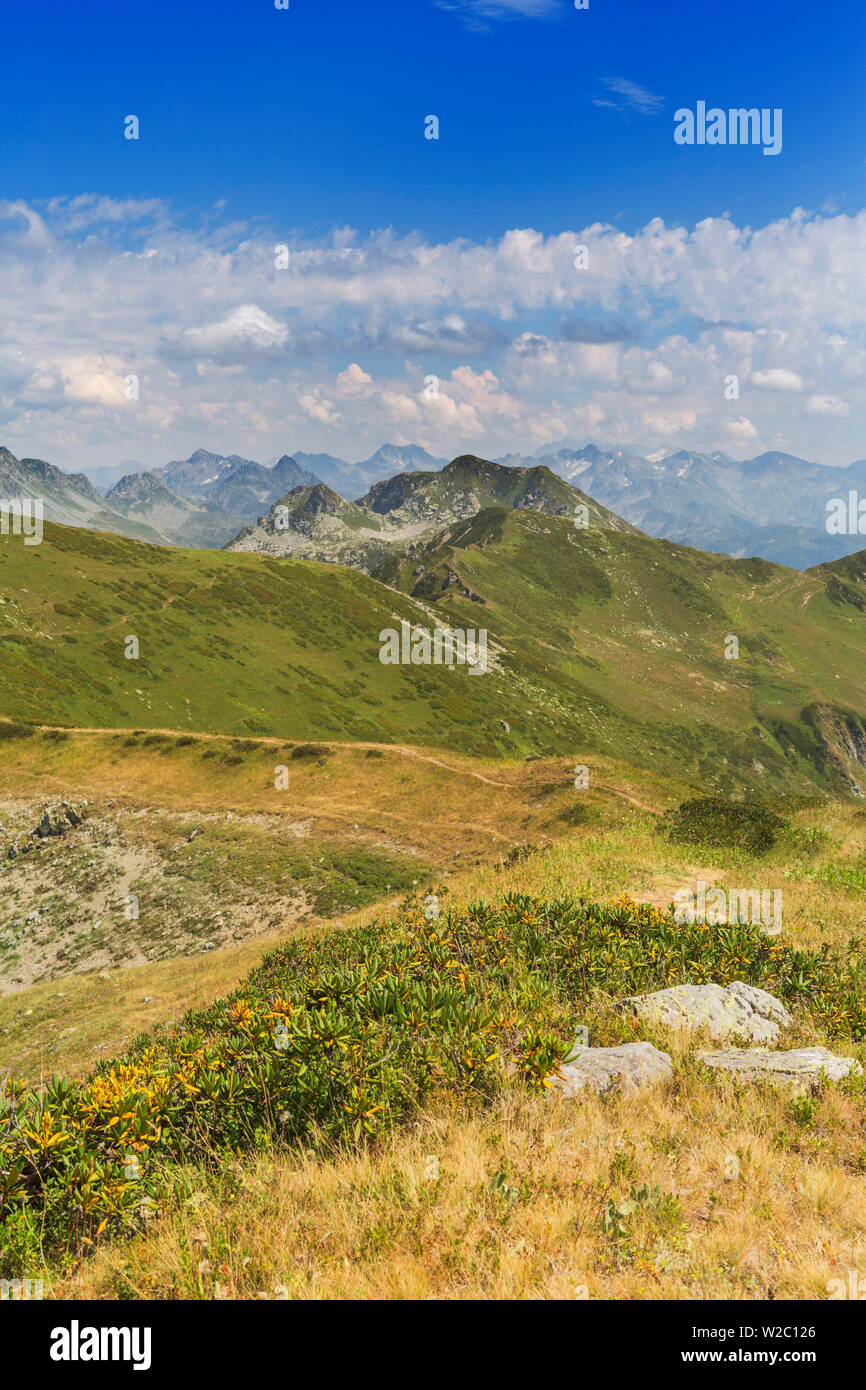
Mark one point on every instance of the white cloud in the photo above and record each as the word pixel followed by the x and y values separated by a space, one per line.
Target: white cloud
pixel 742 430
pixel 778 379
pixel 476 14
pixel 624 93
pixel 333 352
pixel 354 381
pixel 316 407
pixel 827 405
pixel 246 326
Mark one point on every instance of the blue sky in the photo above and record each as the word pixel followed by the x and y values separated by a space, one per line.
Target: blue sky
pixel 260 126
pixel 312 116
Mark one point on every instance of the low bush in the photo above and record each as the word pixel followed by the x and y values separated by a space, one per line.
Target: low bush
pixel 336 1039
pixel 310 750
pixel 728 824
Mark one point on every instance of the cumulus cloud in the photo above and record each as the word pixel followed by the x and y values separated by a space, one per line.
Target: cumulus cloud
pixel 333 351
pixel 778 379
pixel 742 430
pixel 354 381
pixel 248 326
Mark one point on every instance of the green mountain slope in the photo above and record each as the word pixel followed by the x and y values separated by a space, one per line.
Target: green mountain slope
pixel 600 641
pixel 229 643
pixel 643 624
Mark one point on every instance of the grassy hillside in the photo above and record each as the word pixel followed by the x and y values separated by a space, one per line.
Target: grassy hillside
pixel 640 626
pixel 216 855
pixel 228 643
pixel 601 642
pixel 402 1141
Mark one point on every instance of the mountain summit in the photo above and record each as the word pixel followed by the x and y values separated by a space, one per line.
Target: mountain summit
pixel 408 510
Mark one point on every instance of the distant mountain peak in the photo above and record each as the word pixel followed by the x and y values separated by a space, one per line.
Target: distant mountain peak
pixel 140 487
pixel 405 512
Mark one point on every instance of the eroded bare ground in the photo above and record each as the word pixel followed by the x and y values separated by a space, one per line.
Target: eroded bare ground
pixel 183 845
pixel 129 886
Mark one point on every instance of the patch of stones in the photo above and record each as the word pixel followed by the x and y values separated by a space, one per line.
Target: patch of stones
pixel 736 1010
pixel 57 819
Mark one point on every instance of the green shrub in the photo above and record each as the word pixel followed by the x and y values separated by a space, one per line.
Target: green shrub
pixel 336 1039
pixel 311 750
pixel 578 813
pixel 728 824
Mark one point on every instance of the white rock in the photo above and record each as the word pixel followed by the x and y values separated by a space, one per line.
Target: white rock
pixel 726 1011
pixel 797 1067
pixel 632 1065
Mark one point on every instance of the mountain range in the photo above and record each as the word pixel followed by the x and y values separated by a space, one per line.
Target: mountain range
pixel 773 506
pixel 68 498
pixel 201 502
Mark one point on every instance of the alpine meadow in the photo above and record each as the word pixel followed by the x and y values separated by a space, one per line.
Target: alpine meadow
pixel 433 672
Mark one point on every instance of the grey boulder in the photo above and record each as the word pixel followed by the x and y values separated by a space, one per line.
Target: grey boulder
pixel 734 1010
pixel 797 1067
pixel 630 1066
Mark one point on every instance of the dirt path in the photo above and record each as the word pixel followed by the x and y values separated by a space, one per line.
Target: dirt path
pixel 404 750
pixel 401 749
pixel 625 796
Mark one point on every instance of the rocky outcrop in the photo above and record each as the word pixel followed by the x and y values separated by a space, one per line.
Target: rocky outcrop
pixel 57 819
pixel 631 1066
pixel 842 744
pixel 726 1011
pixel 800 1066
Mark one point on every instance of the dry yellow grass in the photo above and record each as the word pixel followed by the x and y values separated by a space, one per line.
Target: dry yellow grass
pixel 760 1194
pixel 754 1203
